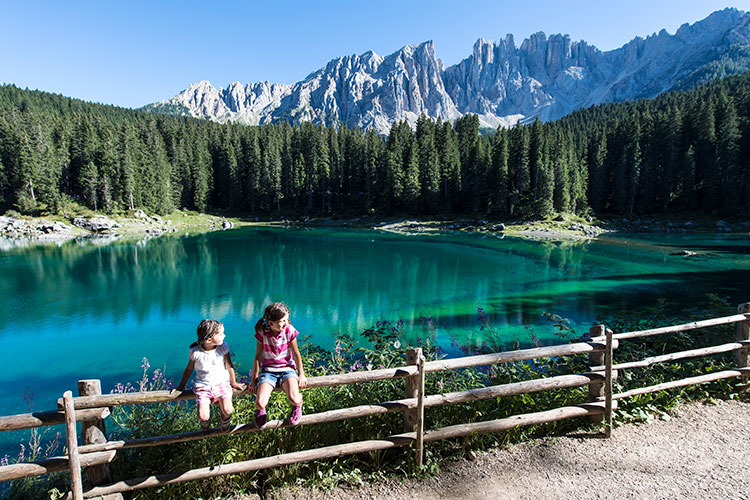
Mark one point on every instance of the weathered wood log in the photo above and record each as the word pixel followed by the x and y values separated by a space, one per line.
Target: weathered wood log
pixel 743 334
pixel 364 376
pixel 251 465
pixel 586 409
pixel 511 356
pixel 130 398
pixel 684 382
pixel 596 387
pixel 94 432
pixel 411 391
pixel 356 377
pixel 47 418
pixel 54 464
pixel 677 328
pixel 512 389
pixel 608 386
pixel 420 408
pixel 693 353
pixel 74 462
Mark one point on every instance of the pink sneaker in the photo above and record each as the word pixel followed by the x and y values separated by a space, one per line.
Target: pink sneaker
pixel 296 415
pixel 260 419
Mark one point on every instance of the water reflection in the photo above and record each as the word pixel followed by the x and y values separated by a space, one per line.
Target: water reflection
pixel 89 310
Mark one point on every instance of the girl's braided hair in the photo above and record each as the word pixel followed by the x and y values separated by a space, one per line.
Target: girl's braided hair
pixel 207 329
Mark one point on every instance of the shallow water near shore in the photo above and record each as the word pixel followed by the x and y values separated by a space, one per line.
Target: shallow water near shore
pixel 79 311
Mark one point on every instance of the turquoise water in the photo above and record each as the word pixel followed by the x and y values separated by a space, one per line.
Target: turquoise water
pixel 92 311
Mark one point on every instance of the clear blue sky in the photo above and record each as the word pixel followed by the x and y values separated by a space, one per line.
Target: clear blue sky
pixel 131 53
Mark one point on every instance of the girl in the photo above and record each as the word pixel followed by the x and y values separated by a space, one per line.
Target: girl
pixel 214 373
pixel 277 363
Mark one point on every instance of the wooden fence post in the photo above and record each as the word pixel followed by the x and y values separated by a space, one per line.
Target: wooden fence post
pixel 76 484
pixel 94 432
pixel 414 419
pixel 743 333
pixel 410 416
pixel 420 407
pixel 608 354
pixel 596 388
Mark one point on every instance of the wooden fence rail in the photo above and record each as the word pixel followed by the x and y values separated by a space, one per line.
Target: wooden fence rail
pixel 91 407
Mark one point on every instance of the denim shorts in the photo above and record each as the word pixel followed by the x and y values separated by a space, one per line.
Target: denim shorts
pixel 275 379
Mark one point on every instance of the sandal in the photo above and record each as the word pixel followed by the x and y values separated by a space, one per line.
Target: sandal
pixel 225 424
pixel 296 415
pixel 260 419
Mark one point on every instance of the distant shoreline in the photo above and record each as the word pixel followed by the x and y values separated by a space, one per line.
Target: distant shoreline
pixel 20 232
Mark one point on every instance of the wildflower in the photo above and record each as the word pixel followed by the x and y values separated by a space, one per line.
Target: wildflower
pixel 440 385
pixel 369 366
pixel 397 344
pixel 4 461
pixel 145 365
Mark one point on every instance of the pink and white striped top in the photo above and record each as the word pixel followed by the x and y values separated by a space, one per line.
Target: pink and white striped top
pixel 277 351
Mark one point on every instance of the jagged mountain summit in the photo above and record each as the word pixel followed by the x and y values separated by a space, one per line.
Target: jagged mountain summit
pixel 545 76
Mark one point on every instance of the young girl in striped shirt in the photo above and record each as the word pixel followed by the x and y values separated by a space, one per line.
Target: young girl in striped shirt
pixel 277 363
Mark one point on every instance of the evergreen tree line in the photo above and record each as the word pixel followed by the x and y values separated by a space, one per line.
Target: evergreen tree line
pixel 684 151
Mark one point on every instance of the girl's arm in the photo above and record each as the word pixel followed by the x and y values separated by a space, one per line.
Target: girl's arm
pixel 256 366
pixel 185 376
pixel 230 368
pixel 298 361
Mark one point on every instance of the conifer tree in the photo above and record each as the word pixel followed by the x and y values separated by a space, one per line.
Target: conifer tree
pixel 728 175
pixel 429 172
pixel 498 180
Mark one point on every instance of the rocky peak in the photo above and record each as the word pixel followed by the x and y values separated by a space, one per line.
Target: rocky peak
pixel 546 76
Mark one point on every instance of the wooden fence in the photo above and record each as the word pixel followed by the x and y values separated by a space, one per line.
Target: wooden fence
pixel 95 453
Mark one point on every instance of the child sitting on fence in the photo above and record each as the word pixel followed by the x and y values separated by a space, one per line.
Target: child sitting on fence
pixel 277 363
pixel 214 373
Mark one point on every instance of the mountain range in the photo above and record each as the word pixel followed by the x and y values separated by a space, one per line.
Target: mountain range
pixel 502 83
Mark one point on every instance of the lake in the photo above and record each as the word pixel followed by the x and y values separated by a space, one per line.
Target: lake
pixel 86 310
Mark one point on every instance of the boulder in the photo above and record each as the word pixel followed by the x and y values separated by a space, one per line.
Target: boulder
pixel 498 227
pixel 94 224
pixel 140 214
pixel 225 224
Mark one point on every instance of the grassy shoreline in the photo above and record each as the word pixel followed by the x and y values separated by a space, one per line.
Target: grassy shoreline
pixel 21 231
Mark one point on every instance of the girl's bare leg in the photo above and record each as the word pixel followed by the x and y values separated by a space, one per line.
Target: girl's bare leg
pixel 226 408
pixel 261 398
pixel 291 387
pixel 204 413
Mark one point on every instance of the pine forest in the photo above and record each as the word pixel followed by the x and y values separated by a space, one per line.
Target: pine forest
pixel 683 151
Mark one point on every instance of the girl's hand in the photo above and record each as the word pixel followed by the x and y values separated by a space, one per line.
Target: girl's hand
pixel 240 387
pixel 302 381
pixel 252 388
pixel 175 392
